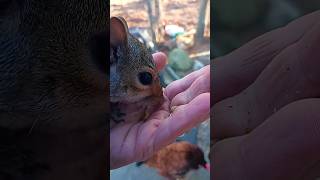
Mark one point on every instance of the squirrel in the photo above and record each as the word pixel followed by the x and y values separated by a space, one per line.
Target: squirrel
pixel 135 90
pixel 53 89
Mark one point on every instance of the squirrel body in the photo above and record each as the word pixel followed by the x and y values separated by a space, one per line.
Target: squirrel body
pixel 53 100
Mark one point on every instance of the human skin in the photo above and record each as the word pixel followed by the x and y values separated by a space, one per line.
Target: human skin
pixel 137 141
pixel 237 70
pixel 266 107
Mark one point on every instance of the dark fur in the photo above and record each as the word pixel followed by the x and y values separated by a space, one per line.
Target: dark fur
pixel 53 100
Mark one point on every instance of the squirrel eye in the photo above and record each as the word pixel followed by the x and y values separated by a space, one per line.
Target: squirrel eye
pixel 145 78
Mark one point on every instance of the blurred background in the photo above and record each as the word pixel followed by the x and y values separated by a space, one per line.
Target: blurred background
pixel 237 22
pixel 180 29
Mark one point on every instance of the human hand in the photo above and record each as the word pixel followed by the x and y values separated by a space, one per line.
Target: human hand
pixel 137 141
pixel 239 69
pixel 268 121
pixel 283 73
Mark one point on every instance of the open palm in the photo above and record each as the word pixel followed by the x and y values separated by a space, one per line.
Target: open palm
pixel 137 141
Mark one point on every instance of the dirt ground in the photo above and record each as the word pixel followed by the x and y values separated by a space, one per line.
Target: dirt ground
pixel 179 12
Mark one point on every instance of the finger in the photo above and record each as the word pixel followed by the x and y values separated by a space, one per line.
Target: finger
pixel 182 84
pixel 160 59
pixel 226 158
pixel 297 66
pixel 237 70
pixel 199 86
pixel 288 142
pixel 308 48
pixel 183 119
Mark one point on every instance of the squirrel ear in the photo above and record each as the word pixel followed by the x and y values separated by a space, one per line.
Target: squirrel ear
pixel 118 31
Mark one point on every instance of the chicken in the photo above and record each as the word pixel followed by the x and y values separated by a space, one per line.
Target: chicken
pixel 177 159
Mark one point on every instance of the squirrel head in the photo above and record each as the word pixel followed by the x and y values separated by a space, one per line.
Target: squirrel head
pixel 133 74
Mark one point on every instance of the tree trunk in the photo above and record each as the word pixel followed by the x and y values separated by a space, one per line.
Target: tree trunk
pixel 157 22
pixel 201 21
pixel 152 20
